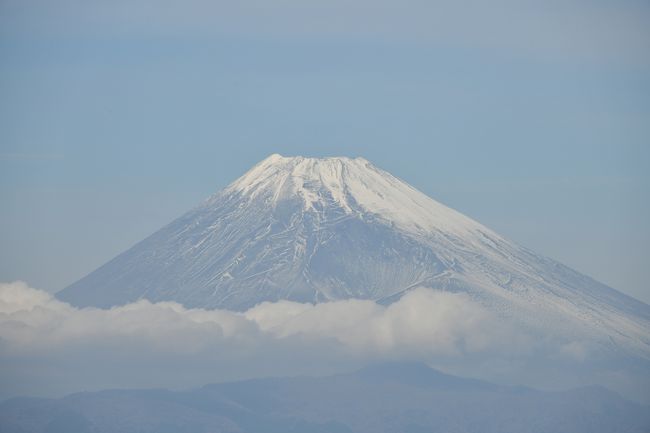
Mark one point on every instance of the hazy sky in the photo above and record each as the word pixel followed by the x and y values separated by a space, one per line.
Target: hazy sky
pixel 118 116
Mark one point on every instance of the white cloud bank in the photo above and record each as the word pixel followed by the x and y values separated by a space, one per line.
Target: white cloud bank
pixel 424 322
pixel 48 347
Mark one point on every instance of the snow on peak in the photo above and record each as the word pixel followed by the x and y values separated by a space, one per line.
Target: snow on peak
pixel 354 185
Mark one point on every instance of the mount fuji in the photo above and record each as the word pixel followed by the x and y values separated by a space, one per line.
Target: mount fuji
pixel 322 229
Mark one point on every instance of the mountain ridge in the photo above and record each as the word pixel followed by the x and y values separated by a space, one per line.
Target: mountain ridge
pixel 389 397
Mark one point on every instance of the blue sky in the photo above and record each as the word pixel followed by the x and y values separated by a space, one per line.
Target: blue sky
pixel 531 117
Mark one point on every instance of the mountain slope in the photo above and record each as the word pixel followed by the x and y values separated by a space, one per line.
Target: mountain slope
pixel 384 398
pixel 319 229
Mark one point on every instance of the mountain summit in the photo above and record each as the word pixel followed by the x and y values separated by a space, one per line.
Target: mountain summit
pixel 322 229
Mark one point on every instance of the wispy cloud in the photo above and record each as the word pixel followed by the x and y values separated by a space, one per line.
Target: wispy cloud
pixel 30 156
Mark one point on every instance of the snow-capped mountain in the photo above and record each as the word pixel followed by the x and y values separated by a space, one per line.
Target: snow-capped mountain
pixel 321 229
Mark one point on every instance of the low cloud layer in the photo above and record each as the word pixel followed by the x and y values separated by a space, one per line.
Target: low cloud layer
pixel 423 322
pixel 48 347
